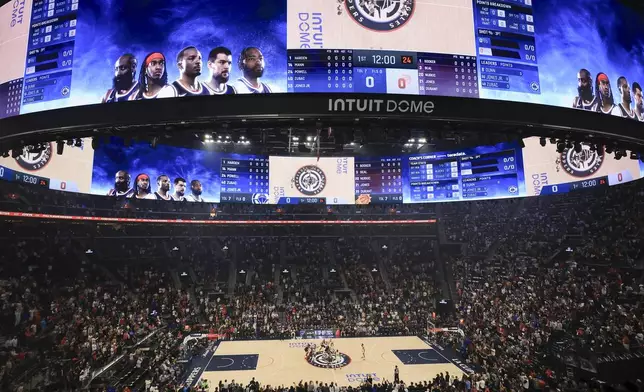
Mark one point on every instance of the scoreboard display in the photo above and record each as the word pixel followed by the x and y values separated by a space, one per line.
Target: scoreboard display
pixel 65 53
pixel 486 172
pixel 381 72
pixel 480 173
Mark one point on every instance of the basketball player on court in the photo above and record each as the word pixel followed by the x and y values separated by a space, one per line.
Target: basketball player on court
pixel 396 375
pixel 363 356
pixel 625 91
pixel 251 63
pixel 586 99
pixel 639 101
pixel 163 188
pixel 121 184
pixel 124 83
pixel 189 63
pixel 152 77
pixel 219 61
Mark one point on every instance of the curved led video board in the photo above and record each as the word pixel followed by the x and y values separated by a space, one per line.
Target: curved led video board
pixel 179 174
pixel 583 54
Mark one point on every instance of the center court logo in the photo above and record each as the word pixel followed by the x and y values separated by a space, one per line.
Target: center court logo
pixel 329 361
pixel 381 15
pixel 583 163
pixel 309 180
pixel 35 160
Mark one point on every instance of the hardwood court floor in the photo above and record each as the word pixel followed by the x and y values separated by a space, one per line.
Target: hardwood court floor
pixel 282 362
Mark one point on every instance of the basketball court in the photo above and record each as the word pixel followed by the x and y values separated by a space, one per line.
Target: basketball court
pixel 283 362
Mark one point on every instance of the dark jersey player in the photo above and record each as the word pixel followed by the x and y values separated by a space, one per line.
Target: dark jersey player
pixel 121 184
pixel 251 63
pixel 219 62
pixel 625 105
pixel 152 77
pixel 163 188
pixel 189 63
pixel 586 99
pixel 124 83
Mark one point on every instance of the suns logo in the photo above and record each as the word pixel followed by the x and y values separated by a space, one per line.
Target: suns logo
pixel 329 361
pixel 583 163
pixel 381 15
pixel 309 180
pixel 34 160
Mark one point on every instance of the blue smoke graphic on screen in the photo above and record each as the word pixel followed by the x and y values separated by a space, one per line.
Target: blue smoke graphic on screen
pixel 172 161
pixel 109 28
pixel 599 35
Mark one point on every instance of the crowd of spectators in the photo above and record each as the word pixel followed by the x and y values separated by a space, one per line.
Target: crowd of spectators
pixel 80 297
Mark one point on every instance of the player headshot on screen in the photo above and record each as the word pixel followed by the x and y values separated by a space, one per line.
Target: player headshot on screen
pixel 625 105
pixel 142 188
pixel 604 94
pixel 152 77
pixel 219 62
pixel 163 188
pixel 189 62
pixel 124 83
pixel 195 191
pixel 121 184
pixel 586 99
pixel 251 63
pixel 179 189
pixel 639 101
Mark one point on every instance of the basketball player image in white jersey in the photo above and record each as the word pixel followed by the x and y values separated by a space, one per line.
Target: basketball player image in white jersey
pixel 142 188
pixel 251 63
pixel 220 60
pixel 586 100
pixel 189 63
pixel 625 105
pixel 152 77
pixel 604 94
pixel 124 83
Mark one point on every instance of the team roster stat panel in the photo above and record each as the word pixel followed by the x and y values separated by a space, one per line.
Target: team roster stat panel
pixel 383 72
pixel 378 180
pixel 50 53
pixel 451 176
pixel 507 51
pixel 244 180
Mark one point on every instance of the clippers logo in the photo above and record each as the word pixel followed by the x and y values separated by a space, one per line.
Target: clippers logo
pixel 381 15
pixel 310 180
pixel 35 160
pixel 329 361
pixel 260 198
pixel 581 164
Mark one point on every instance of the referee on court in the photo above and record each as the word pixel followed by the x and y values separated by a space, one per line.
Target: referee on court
pixel 396 375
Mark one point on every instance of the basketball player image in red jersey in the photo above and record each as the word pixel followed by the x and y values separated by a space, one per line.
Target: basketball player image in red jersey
pixel 251 63
pixel 124 83
pixel 189 62
pixel 152 77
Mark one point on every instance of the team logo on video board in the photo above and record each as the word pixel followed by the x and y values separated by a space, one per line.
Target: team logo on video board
pixel 35 160
pixel 260 198
pixel 329 360
pixel 310 180
pixel 583 163
pixel 381 15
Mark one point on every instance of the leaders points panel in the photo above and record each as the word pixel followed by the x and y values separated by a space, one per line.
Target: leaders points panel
pixel 489 172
